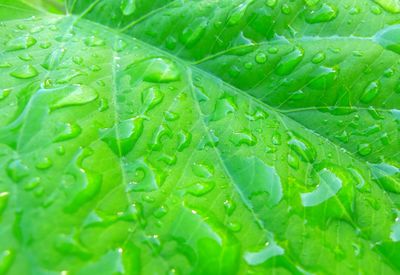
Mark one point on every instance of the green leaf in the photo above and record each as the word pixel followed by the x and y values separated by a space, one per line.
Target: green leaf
pixel 200 137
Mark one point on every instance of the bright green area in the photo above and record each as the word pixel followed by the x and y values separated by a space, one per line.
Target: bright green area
pixel 200 137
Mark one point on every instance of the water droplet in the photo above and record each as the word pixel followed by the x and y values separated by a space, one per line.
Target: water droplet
pixel 53 59
pixel 202 170
pixel 370 92
pixel 329 185
pixel 364 149
pixel 243 137
pixel 261 58
pixel 237 14
pixel 194 31
pixel 389 5
pixel 3 203
pixel 157 140
pixel 289 62
pixel 123 137
pixel 389 38
pixel 151 97
pixel 234 226
pixel 270 250
pixel 141 176
pixel 5 64
pixel 387 175
pixel 302 148
pixel 271 3
pixel 229 206
pixel 32 184
pixel 323 78
pixel 17 170
pixel 75 95
pixel 171 116
pixel 325 13
pixel 120 45
pixel 201 188
pixel 4 93
pixel 25 72
pixel 159 70
pixel 68 131
pixel 6 260
pixel 94 41
pixel 88 183
pixel 286 9
pixel 43 163
pixel 318 58
pixel 256 180
pixel 20 43
pixel 223 107
pixel 184 139
pixel 128 7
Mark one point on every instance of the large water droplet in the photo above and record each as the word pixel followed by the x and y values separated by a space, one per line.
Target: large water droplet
pixel 17 170
pixel 325 13
pixel 370 92
pixel 390 5
pixel 20 43
pixel 68 131
pixel 159 70
pixel 329 185
pixel 243 137
pixel 128 7
pixel 302 148
pixel 389 38
pixel 194 31
pixel 25 72
pixel 289 62
pixel 75 95
pixel 3 202
pixel 53 59
pixel 387 175
pixel 122 137
pixel 256 180
pixel 270 250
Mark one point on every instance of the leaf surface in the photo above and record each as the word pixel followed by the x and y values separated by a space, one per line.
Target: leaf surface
pixel 203 137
